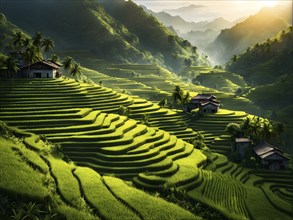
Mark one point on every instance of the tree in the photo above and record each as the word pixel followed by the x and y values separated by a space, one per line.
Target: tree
pixel 31 54
pixel 75 70
pixel 246 126
pixel 37 39
pixel 67 63
pixel 177 95
pixel 233 129
pixel 186 98
pixel 47 44
pixel 123 111
pixel 54 57
pixel 9 67
pixel 234 58
pixel 27 42
pixel 37 42
pixel 17 39
pixel 163 103
pixel 194 49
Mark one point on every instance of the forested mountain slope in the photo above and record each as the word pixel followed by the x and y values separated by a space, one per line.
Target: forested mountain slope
pixel 265 61
pixel 85 25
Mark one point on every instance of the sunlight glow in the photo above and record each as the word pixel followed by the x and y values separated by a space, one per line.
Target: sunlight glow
pixel 268 3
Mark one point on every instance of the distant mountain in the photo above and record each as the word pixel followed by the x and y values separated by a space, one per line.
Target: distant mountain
pixel 183 27
pixel 187 10
pixel 199 34
pixel 179 24
pixel 123 33
pixel 256 28
pixel 201 38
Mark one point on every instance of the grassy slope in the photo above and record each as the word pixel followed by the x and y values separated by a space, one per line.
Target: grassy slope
pixel 30 173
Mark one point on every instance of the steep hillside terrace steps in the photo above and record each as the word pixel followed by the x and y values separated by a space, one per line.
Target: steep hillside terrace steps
pixel 103 205
pixel 43 125
pixel 117 134
pixel 183 178
pixel 278 202
pixel 168 145
pixel 283 193
pixel 104 124
pixel 107 105
pixel 218 189
pixel 89 118
pixel 128 171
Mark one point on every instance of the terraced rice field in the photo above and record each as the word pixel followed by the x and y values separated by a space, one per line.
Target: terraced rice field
pixel 155 87
pixel 109 143
pixel 212 126
pixel 82 119
pixel 77 189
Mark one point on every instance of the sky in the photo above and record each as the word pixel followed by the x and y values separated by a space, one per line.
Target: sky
pixel 230 10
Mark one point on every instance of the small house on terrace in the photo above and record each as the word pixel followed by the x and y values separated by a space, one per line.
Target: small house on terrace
pixel 205 103
pixel 40 69
pixel 209 107
pixel 241 145
pixel 271 157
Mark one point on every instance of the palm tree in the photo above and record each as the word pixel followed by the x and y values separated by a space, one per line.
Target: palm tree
pixel 67 63
pixel 9 67
pixel 177 95
pixel 31 54
pixel 278 129
pixel 37 39
pixel 75 70
pixel 54 58
pixel 266 132
pixel 27 42
pixel 17 39
pixel 186 99
pixel 255 127
pixel 47 44
pixel 37 42
pixel 233 129
pixel 163 103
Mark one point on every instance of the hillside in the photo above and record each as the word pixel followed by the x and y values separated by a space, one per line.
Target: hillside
pixel 37 183
pixel 265 61
pixel 183 27
pixel 259 27
pixel 7 30
pixel 199 34
pixel 267 66
pixel 105 35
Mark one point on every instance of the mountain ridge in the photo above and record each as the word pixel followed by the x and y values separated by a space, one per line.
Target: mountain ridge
pixel 256 28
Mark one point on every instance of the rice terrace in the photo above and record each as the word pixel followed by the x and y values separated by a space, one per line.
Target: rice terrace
pixel 146 110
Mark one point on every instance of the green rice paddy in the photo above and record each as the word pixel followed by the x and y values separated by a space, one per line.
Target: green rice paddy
pixel 83 119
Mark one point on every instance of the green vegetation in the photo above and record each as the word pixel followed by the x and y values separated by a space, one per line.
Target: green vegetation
pixel 117 31
pixel 64 190
pixel 268 67
pixel 73 146
pixel 112 144
pixel 266 61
